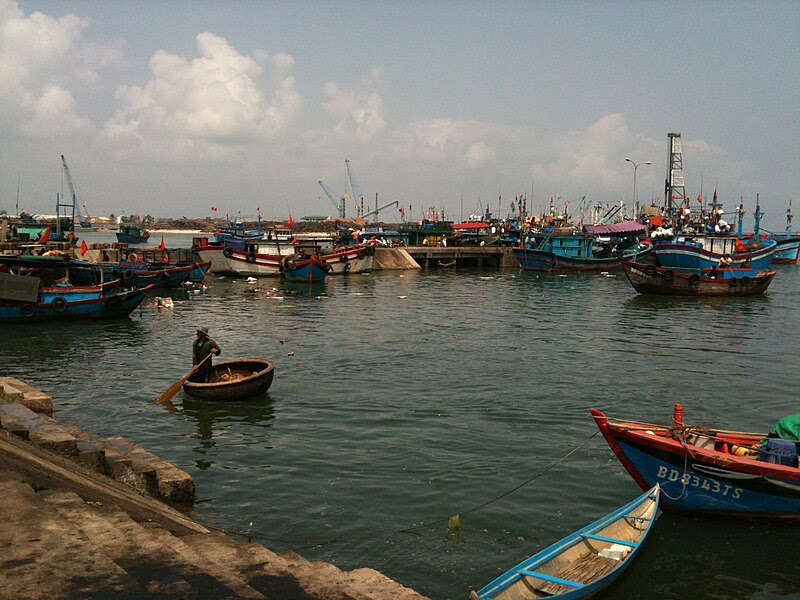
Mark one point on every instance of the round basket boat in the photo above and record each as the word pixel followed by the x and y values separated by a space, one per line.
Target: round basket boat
pixel 233 380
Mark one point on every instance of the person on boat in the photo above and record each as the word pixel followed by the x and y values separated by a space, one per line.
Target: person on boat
pixel 202 347
pixel 725 261
pixel 106 257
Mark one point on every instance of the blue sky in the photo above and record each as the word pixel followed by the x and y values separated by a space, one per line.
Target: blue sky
pixel 170 108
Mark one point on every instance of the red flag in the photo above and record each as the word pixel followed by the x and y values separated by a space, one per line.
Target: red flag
pixel 45 237
pixel 84 247
pixel 294 240
pixel 161 245
pixel 291 221
pixel 715 195
pixel 699 198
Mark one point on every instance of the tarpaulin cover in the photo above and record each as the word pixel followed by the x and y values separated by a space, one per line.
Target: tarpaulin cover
pixel 617 228
pixel 17 287
pixel 788 428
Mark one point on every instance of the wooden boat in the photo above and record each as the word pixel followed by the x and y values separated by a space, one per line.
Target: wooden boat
pixel 595 248
pixel 20 301
pixel 702 469
pixel 70 293
pixel 132 234
pixel 87 273
pixel 649 279
pixel 233 380
pixel 694 253
pixel 349 259
pixel 582 563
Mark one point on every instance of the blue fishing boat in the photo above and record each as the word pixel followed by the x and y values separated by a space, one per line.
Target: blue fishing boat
pixel 304 268
pixel 66 292
pixel 694 253
pixel 601 247
pixel 132 234
pixel 704 469
pixel 583 562
pixel 131 273
pixel 114 305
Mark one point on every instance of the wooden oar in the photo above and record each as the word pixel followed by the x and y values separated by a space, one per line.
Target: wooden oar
pixel 173 389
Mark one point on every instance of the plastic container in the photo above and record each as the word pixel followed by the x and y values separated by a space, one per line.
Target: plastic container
pixel 779 452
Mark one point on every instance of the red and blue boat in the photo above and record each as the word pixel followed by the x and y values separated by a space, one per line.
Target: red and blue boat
pixel 594 248
pixel 303 267
pixel 704 469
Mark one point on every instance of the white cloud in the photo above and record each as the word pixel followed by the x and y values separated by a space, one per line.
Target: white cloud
pixel 359 112
pixel 42 59
pixel 469 143
pixel 208 107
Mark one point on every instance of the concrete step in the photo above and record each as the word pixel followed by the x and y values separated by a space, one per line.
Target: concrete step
pixel 38 428
pixel 114 456
pixel 45 558
pixel 291 577
pixel 14 390
pixel 156 567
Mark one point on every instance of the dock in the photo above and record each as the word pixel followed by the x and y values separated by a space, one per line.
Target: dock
pixel 89 517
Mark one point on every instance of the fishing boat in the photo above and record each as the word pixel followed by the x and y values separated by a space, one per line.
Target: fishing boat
pixel 583 562
pixel 132 273
pixel 67 292
pixel 132 234
pixel 704 469
pixel 787 251
pixel 305 267
pixel 357 258
pixel 693 253
pixel 649 279
pixel 250 259
pixel 600 247
pixel 21 301
pixel 213 253
pixel 231 380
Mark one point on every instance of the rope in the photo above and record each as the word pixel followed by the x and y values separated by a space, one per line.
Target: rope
pixel 318 543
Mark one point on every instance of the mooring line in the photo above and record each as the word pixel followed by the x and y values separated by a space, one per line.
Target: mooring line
pixel 412 530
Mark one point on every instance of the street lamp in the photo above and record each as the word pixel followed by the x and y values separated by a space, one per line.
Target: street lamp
pixel 635 166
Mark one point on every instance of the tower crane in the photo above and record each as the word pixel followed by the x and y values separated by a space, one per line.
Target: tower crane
pixel 340 205
pixel 354 188
pixel 68 177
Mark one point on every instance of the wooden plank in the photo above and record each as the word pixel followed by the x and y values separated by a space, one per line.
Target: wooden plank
pixel 585 570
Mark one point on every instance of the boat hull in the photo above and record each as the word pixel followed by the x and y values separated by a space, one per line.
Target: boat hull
pixel 574 567
pixel 649 279
pixel 310 270
pixel 688 256
pixel 256 378
pixel 542 260
pixel 700 479
pixel 108 307
pixel 788 251
pixel 350 259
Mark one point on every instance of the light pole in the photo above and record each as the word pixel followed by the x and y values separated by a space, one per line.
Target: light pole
pixel 635 199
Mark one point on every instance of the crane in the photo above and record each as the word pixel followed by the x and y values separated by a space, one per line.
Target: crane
pixel 354 188
pixel 60 205
pixel 379 209
pixel 329 193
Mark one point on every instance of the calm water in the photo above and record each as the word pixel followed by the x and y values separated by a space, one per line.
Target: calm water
pixel 401 399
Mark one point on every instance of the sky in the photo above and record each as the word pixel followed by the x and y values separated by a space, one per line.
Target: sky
pixel 170 108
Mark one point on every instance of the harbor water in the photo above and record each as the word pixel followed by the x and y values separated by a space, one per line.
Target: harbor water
pixel 403 399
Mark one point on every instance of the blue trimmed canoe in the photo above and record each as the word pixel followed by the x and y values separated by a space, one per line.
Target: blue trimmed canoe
pixel 582 563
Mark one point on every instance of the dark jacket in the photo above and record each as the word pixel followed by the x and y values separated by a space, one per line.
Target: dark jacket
pixel 202 348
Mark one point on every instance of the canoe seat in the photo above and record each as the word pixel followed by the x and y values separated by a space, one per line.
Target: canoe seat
pixel 583 571
pixel 610 540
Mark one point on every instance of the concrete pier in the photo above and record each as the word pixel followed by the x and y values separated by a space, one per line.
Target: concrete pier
pixel 88 517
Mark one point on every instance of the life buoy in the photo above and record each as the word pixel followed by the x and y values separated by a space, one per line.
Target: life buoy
pixel 361 253
pixel 251 258
pixel 746 281
pixel 59 304
pixel 116 274
pixel 227 252
pixel 113 302
pixel 668 275
pixel 347 267
pixel 28 310
pixel 164 277
pixel 734 282
pixel 694 279
pixel 329 268
pixel 127 275
pixel 650 270
pixel 344 258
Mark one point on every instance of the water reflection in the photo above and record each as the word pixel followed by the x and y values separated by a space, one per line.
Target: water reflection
pixel 216 421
